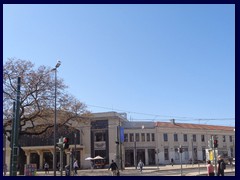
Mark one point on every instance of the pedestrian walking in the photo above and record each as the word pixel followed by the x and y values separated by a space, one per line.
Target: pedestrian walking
pixel 67 170
pixel 114 168
pixel 140 165
pixel 46 168
pixel 92 165
pixel 210 168
pixel 75 167
pixel 221 166
pixel 58 166
pixel 172 161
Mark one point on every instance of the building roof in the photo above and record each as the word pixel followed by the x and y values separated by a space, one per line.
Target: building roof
pixel 138 125
pixel 194 126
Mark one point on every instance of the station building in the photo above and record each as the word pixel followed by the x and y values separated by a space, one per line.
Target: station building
pixel 112 136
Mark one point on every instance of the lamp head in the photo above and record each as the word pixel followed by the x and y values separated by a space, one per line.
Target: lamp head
pixel 58 64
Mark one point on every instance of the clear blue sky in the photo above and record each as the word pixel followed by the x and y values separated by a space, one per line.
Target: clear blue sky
pixel 155 62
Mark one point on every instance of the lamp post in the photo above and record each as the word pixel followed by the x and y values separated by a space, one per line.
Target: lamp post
pixel 192 152
pixel 55 118
pixel 135 151
pixel 4 156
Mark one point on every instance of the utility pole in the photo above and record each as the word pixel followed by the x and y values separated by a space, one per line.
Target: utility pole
pixel 215 157
pixel 120 146
pixel 12 138
pixel 117 148
pixel 61 148
pixel 55 119
pixel 192 152
pixel 75 148
pixel 15 133
pixel 135 152
pixel 180 152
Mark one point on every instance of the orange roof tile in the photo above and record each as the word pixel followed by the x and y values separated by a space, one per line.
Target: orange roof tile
pixel 193 126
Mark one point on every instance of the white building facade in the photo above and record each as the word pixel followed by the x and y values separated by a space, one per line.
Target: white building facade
pixel 111 136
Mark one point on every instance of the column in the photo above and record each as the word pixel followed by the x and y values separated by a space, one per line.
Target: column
pixel 146 157
pixel 40 153
pixel 27 153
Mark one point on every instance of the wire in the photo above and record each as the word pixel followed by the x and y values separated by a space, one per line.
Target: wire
pixel 179 118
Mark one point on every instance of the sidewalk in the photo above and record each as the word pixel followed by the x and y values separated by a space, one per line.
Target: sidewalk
pixel 200 170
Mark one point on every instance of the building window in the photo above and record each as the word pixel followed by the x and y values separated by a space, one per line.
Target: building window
pixel 153 137
pixel 143 137
pixel 165 137
pixel 99 136
pixel 194 138
pixel 185 137
pixel 148 137
pixel 203 138
pixel 175 137
pixel 131 137
pixel 224 138
pixel 137 137
pixel 230 138
pixel 125 137
pixel 166 156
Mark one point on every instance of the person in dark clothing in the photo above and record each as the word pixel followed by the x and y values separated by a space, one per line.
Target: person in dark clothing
pixel 114 168
pixel 172 161
pixel 221 166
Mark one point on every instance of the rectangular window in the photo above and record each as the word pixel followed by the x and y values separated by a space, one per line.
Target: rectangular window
pixel 99 136
pixel 175 137
pixel 137 137
pixel 125 137
pixel 148 137
pixel 166 156
pixel 224 138
pixel 230 138
pixel 165 137
pixel 185 137
pixel 194 138
pixel 203 138
pixel 143 137
pixel 131 137
pixel 153 137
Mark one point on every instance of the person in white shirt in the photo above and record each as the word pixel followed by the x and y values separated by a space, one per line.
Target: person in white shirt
pixel 75 166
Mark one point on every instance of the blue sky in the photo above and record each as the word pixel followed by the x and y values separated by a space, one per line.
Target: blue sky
pixel 155 62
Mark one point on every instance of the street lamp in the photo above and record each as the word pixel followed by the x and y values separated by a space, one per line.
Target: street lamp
pixel 55 117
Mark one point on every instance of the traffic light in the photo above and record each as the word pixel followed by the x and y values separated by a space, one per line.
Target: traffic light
pixel 180 150
pixel 65 143
pixel 215 143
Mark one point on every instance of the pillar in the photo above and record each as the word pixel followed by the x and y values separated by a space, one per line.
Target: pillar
pixel 146 157
pixel 40 153
pixel 27 153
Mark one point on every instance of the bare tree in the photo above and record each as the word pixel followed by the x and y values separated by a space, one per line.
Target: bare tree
pixel 37 99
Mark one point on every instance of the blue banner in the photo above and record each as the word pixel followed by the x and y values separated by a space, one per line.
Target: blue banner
pixel 121 134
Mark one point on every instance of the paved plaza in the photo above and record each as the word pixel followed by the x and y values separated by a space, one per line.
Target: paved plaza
pixel 167 170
